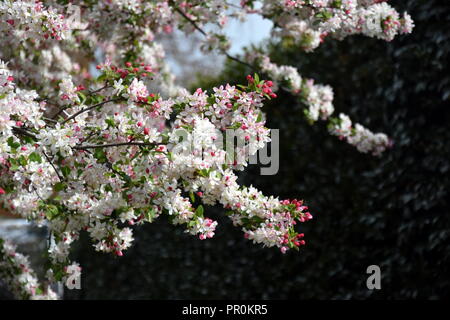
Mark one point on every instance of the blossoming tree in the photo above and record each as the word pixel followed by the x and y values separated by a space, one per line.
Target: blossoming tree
pixel 95 145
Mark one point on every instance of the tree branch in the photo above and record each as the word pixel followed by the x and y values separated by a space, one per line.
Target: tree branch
pixel 89 108
pixel 51 163
pixel 98 90
pixel 192 22
pixel 24 132
pixel 118 144
pixel 203 32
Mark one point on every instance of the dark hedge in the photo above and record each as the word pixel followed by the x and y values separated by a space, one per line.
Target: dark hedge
pixel 390 211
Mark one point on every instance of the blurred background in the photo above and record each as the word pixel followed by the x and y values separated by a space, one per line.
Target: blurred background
pixel 391 211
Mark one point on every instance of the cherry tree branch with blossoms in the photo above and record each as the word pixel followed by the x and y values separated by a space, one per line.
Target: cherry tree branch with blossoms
pixel 101 152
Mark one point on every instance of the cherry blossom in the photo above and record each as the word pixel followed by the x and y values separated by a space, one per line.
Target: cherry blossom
pixel 106 151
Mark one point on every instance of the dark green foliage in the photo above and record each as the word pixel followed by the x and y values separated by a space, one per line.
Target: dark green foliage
pixel 391 211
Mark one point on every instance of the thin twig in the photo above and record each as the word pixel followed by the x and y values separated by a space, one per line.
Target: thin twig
pixel 90 93
pixel 203 32
pixel 88 109
pixel 50 120
pixel 24 132
pixel 110 166
pixel 93 146
pixel 98 90
pixel 239 61
pixel 37 193
pixel 59 112
pixel 192 22
pixel 51 163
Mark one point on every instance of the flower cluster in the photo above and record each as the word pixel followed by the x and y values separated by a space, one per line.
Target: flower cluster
pixel 363 139
pixel 318 100
pixel 6 79
pixel 307 22
pixel 68 91
pixel 20 278
pixel 96 171
pixel 30 17
pixel 103 151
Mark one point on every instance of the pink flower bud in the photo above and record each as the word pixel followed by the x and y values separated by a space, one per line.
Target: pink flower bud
pixel 168 29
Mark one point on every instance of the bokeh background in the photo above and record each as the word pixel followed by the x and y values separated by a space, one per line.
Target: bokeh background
pixel 391 211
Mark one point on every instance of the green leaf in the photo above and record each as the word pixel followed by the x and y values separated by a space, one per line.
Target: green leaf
pixel 235 126
pixel 211 100
pixel 34 157
pixel 52 211
pixel 191 224
pixel 59 186
pixel 192 196
pixel 256 78
pixel 65 171
pixel 82 97
pixel 204 172
pixel 12 144
pixel 110 122
pixel 259 117
pixel 58 275
pixel 150 215
pixel 199 211
pixel 22 160
pixel 100 155
pixel 101 77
